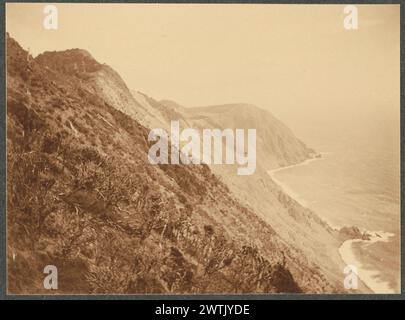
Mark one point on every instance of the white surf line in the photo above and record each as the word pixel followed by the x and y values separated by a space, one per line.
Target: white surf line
pixel 369 277
pixel 284 187
pixel 303 163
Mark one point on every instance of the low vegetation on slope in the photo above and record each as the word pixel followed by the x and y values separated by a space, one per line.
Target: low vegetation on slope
pixel 82 196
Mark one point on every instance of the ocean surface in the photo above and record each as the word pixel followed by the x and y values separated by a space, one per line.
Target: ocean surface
pixel 356 183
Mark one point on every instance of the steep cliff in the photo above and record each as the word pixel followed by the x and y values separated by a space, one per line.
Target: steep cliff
pixel 276 146
pixel 82 196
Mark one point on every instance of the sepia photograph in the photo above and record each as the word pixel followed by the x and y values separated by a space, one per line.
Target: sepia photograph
pixel 188 149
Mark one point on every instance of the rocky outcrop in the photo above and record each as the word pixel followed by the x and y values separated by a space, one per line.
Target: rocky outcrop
pixel 353 232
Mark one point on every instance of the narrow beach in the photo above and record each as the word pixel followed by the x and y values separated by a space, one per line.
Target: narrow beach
pixel 369 277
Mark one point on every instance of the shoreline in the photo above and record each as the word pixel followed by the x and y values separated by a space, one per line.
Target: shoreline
pixel 284 187
pixel 346 252
pixel 369 277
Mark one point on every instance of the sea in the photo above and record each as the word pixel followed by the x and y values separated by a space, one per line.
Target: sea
pixel 356 182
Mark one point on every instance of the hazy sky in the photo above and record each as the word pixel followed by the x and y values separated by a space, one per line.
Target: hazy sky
pixel 294 60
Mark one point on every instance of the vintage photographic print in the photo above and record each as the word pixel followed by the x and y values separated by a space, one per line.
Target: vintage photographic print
pixel 202 149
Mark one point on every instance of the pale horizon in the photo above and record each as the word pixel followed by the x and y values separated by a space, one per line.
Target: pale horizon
pixel 296 61
pixel 113 192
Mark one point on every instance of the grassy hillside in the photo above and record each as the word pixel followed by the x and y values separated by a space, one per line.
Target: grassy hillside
pixel 82 196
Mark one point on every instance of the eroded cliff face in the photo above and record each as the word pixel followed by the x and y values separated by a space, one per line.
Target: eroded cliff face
pixel 83 196
pixel 276 146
